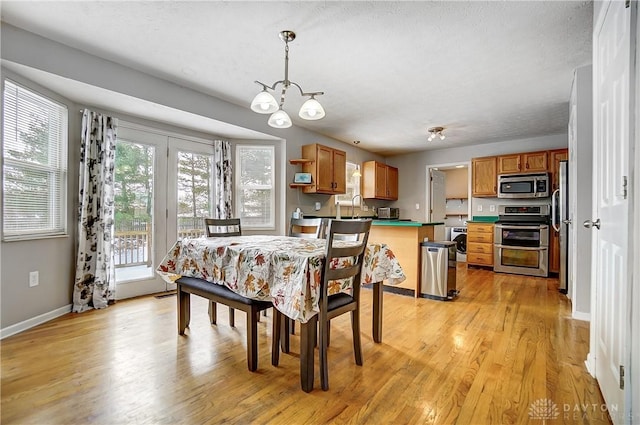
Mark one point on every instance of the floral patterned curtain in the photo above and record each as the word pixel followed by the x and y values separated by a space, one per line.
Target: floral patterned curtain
pixel 223 180
pixel 95 273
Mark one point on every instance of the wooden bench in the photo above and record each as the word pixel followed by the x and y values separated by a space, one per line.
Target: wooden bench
pixel 216 293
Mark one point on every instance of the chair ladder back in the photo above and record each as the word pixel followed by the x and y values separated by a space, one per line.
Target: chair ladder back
pixel 299 227
pixel 222 227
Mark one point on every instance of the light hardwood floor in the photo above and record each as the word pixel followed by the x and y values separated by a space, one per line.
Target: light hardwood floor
pixel 505 343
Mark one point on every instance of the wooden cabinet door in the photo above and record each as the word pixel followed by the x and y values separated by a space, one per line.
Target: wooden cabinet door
pixel 484 176
pixel 509 164
pixel 555 157
pixel 324 169
pixel 392 183
pixel 339 172
pixel 380 181
pixel 534 161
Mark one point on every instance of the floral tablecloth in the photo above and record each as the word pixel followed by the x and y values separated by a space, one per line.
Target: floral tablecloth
pixel 281 269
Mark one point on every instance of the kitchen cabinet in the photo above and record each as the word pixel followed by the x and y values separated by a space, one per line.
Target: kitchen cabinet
pixel 480 244
pixel 379 181
pixel 528 162
pixel 555 157
pixel 484 177
pixel 327 167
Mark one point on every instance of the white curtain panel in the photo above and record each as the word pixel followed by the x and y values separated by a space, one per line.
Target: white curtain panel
pixel 223 180
pixel 95 272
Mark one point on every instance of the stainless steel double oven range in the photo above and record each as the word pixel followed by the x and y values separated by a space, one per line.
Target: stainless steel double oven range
pixel 521 242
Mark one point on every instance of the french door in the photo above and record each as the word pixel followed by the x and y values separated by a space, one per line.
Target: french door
pixel 164 190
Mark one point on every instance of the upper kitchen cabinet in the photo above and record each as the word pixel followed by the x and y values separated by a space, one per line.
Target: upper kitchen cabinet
pixel 379 181
pixel 484 176
pixel 327 167
pixel 528 162
pixel 555 157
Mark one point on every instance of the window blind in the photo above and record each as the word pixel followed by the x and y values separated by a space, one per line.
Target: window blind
pixel 35 164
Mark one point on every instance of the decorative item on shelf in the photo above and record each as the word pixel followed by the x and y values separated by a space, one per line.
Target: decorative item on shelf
pixel 265 103
pixel 357 172
pixel 302 178
pixel 436 131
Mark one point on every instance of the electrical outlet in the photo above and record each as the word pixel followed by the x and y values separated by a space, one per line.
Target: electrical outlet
pixel 417 206
pixel 365 208
pixel 34 278
pixel 479 208
pixel 318 206
pixel 492 208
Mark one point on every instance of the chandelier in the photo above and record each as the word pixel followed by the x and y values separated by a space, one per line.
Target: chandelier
pixel 436 131
pixel 265 103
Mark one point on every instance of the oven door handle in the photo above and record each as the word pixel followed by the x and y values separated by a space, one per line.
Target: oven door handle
pixel 506 226
pixel 523 248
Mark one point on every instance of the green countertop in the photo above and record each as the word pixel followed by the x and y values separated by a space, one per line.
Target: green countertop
pixel 483 219
pixel 400 223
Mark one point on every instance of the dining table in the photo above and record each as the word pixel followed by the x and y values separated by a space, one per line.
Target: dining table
pixel 281 269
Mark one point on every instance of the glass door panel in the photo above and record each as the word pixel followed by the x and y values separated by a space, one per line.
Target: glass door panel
pixel 140 210
pixel 191 193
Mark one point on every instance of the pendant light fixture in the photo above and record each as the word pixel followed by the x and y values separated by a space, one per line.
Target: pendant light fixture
pixel 265 103
pixel 357 172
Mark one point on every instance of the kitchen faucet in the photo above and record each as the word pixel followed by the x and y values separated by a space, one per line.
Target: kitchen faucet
pixel 353 205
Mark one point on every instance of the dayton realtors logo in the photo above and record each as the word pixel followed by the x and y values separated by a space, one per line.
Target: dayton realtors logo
pixel 543 409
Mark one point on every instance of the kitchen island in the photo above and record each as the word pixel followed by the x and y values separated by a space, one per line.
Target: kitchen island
pixel 404 238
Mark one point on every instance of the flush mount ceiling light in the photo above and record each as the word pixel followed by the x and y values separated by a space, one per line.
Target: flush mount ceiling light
pixel 265 103
pixel 436 131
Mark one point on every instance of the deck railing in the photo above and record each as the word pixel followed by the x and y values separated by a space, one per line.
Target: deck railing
pixel 133 239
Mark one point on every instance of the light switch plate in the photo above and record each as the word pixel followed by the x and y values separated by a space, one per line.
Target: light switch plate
pixel 480 208
pixel 318 206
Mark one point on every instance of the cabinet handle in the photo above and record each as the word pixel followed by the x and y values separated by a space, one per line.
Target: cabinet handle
pixel 526 165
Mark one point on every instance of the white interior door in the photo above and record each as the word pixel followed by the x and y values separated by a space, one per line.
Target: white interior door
pixel 438 196
pixel 610 204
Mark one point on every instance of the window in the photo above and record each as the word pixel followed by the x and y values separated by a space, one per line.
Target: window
pixel 35 164
pixel 255 200
pixel 353 187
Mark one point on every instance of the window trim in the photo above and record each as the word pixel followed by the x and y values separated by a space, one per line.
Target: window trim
pixel 237 173
pixel 63 149
pixel 341 199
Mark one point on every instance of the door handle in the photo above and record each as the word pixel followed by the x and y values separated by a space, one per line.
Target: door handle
pixel 589 224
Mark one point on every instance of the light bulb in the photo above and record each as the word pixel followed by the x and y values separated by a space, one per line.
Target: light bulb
pixel 311 110
pixel 264 103
pixel 280 119
pixel 441 136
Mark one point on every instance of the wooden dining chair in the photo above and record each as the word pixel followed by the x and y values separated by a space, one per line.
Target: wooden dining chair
pixel 222 227
pixel 335 305
pixel 308 228
pixel 305 228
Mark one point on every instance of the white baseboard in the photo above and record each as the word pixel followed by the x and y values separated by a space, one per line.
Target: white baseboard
pixel 580 315
pixel 590 363
pixel 34 321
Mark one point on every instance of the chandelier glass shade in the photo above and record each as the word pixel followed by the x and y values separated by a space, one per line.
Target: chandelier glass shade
pixel 266 103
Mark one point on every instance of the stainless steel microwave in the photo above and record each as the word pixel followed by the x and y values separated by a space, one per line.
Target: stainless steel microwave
pixel 387 213
pixel 522 186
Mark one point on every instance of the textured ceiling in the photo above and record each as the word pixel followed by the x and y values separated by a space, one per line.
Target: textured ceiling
pixel 486 71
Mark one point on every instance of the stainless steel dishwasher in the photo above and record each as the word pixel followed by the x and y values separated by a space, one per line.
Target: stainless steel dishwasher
pixel 438 270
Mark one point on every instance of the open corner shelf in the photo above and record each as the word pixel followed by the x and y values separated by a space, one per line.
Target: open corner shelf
pixel 299 161
pixel 300 184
